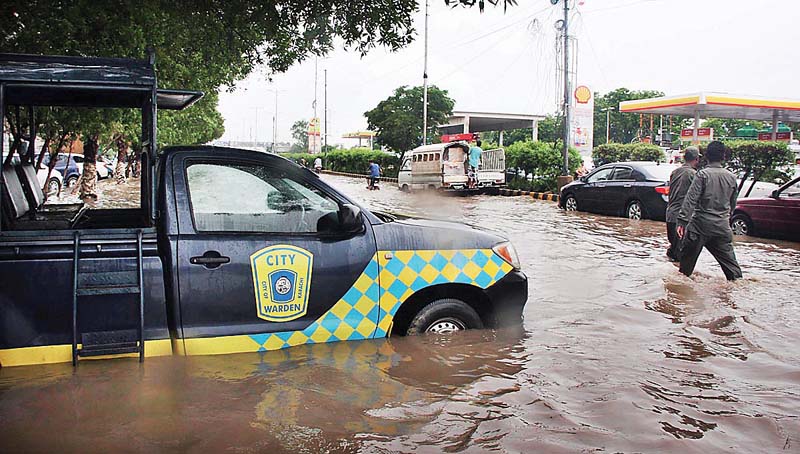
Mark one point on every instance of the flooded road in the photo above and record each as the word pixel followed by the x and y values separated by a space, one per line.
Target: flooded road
pixel 618 353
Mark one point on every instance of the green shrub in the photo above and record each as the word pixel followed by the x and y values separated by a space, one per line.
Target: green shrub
pixel 541 161
pixel 619 152
pixel 353 160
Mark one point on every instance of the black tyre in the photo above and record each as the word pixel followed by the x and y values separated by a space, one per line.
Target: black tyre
pixel 443 316
pixel 405 188
pixel 741 224
pixel 570 203
pixel 53 186
pixel 634 210
pixel 71 181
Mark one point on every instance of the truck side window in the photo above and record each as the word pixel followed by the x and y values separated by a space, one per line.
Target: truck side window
pixel 252 198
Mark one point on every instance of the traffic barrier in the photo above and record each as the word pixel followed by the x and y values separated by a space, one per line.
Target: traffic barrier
pixel 357 175
pixel 536 195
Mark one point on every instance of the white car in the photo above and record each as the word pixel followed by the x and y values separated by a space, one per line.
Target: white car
pixel 102 168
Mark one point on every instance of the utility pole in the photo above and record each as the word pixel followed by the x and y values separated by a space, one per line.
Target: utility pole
pixel 275 122
pixel 567 119
pixel 425 83
pixel 608 110
pixel 325 113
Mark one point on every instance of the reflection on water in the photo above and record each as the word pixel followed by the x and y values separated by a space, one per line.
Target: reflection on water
pixel 619 352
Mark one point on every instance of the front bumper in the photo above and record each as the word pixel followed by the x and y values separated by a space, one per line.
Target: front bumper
pixel 508 297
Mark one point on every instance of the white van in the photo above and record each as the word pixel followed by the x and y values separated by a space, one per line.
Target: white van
pixel 442 166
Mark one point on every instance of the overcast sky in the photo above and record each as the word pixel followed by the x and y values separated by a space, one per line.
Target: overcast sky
pixel 505 62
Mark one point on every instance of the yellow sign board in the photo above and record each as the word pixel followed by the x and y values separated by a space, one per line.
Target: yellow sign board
pixel 282 278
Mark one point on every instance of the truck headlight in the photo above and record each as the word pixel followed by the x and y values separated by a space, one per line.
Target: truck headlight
pixel 507 252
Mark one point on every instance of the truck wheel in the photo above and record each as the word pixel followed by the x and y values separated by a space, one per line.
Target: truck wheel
pixel 741 224
pixel 71 181
pixel 404 188
pixel 443 316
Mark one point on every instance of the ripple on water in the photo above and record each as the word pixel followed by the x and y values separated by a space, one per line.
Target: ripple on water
pixel 619 353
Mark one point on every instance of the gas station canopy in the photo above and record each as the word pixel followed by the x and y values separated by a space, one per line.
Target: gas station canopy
pixel 718 105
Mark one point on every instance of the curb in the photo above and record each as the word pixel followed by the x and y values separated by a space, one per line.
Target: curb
pixel 357 175
pixel 535 195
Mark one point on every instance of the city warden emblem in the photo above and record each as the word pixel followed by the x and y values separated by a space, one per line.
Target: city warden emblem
pixel 282 277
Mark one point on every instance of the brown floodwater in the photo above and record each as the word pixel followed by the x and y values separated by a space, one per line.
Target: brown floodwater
pixel 618 353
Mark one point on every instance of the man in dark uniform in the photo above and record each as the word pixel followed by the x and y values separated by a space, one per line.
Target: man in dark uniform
pixel 679 182
pixel 704 216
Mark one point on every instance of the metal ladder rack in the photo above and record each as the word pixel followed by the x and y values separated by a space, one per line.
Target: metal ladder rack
pixel 88 284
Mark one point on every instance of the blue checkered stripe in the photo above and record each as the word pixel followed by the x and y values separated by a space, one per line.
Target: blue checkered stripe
pixel 367 309
pixel 404 273
pixel 351 318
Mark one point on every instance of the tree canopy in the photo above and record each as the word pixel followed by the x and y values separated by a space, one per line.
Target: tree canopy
pixel 625 126
pixel 209 44
pixel 397 120
pixel 300 135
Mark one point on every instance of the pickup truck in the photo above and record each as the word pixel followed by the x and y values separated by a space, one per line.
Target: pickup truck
pixel 229 251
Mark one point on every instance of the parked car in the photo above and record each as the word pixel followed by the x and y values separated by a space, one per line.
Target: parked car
pixel 70 173
pixel 635 190
pixel 54 181
pixel 103 170
pixel 777 215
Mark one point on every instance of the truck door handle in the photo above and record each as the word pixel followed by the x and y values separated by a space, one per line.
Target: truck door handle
pixel 210 260
pixel 626 185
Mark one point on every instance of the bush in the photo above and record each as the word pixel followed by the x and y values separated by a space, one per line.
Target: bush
pixel 353 160
pixel 540 163
pixel 761 161
pixel 619 152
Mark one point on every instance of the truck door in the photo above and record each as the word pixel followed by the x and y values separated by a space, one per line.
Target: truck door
pixel 254 270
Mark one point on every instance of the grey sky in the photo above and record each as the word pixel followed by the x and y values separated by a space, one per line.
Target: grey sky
pixel 506 62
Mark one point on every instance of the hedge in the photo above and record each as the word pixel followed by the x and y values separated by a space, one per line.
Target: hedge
pixel 540 163
pixel 619 152
pixel 354 160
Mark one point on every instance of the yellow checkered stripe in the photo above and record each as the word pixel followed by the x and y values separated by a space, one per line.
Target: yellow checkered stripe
pixel 389 279
pixel 404 273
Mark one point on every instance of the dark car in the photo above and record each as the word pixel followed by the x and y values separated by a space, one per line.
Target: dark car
pixel 777 215
pixel 70 173
pixel 635 190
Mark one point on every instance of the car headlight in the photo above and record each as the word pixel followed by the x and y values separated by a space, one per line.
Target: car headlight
pixel 507 252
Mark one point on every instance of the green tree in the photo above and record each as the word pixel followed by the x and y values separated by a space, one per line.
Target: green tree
pixel 541 161
pixel 397 120
pixel 206 45
pixel 624 126
pixel 300 135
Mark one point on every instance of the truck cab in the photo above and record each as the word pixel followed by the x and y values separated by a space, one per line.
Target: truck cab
pixel 229 251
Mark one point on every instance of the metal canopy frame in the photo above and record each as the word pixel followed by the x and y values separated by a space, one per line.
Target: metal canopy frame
pixel 37 80
pixel 719 105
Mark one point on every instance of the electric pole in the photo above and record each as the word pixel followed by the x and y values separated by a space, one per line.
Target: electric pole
pixel 325 112
pixel 567 119
pixel 425 83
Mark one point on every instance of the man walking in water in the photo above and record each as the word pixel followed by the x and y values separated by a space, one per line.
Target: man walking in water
pixel 704 216
pixel 679 182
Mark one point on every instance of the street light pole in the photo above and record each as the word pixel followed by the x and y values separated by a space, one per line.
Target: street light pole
pixel 325 113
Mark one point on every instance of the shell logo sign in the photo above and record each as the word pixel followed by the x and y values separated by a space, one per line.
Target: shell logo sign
pixel 583 94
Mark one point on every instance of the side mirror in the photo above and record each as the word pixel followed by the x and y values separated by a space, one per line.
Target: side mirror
pixel 775 194
pixel 350 218
pixel 276 201
pixel 584 178
pixel 347 220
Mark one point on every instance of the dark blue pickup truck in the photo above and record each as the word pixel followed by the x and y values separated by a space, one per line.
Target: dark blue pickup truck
pixel 230 251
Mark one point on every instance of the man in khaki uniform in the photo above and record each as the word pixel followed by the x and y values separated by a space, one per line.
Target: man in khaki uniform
pixel 704 217
pixel 679 182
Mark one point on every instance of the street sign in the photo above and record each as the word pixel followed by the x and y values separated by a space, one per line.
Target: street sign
pixel 779 137
pixel 467 137
pixel 703 134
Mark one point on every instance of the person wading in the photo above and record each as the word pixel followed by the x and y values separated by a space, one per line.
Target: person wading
pixel 679 182
pixel 704 217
